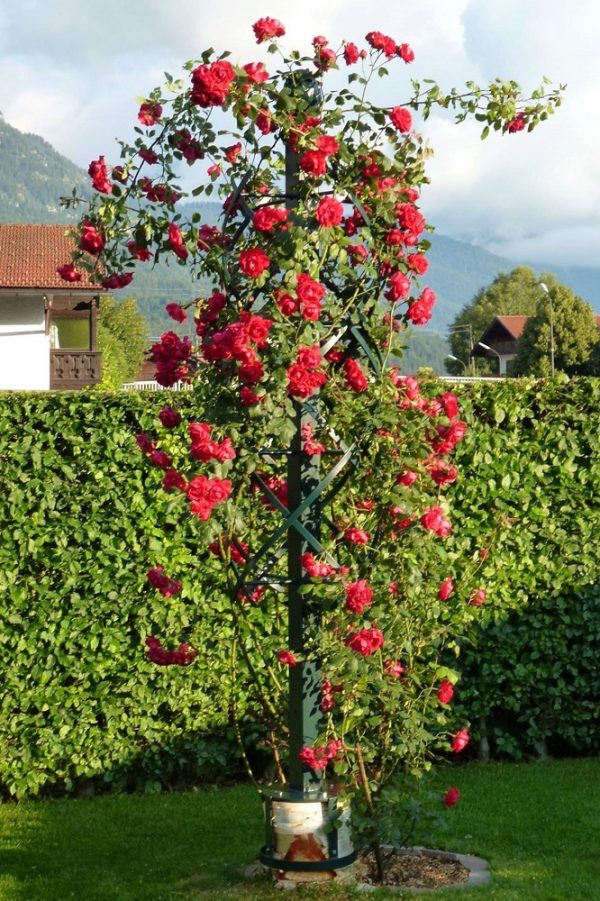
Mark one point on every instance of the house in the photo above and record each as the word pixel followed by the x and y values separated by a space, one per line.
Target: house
pixel 501 338
pixel 47 325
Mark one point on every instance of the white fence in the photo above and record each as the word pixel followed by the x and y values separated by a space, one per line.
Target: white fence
pixel 154 386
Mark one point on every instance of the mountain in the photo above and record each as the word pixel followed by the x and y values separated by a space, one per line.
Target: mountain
pixel 33 176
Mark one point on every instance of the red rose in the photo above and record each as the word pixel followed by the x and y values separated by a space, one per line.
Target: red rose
pixel 267 217
pixel 401 118
pixel 211 83
pixel 452 797
pixel 516 124
pixel 356 536
pixel 176 241
pixel 68 272
pixel 433 520
pixel 91 239
pixel 355 377
pixel 158 579
pixel 478 597
pixel 176 312
pixel 315 569
pixel 169 417
pixel 359 596
pixel 264 122
pixel 418 263
pixel 399 286
pixel 256 72
pixel 149 113
pixel 173 481
pixel 366 641
pixel 99 174
pixel 267 28
pixel 313 162
pixel 288 658
pixel 253 262
pixel 407 478
pixel 409 218
pixel 445 691
pixel 382 42
pixel 309 356
pixel 218 490
pixel 460 740
pixel 327 145
pixel 393 668
pixel 405 53
pixel 351 54
pixel 329 212
pixel 446 589
pixel 443 473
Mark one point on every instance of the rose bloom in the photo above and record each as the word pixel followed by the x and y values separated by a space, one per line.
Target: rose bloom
pixel 267 28
pixel 169 417
pixel 355 377
pixel 478 597
pixel 393 668
pixel 173 481
pixel 99 174
pixel 91 239
pixel 351 54
pixel 288 658
pixel 329 212
pixel 418 263
pixel 446 589
pixel 327 145
pixel 68 273
pixel 313 162
pixel 516 124
pixel 211 83
pixel 359 596
pixel 401 118
pixel 460 740
pixel 356 536
pixel 433 520
pixel 176 241
pixel 451 798
pixel 253 262
pixel 445 692
pixel 149 113
pixel 256 72
pixel 366 641
pixel 176 312
pixel 267 217
pixel 407 478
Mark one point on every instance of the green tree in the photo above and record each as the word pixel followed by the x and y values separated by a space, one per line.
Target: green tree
pixel 122 338
pixel 515 293
pixel 575 336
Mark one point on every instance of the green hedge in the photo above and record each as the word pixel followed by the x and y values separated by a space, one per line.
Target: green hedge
pixel 81 520
pixel 529 493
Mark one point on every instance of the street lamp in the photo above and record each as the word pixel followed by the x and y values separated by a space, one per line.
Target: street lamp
pixel 468 329
pixel 456 360
pixel 487 347
pixel 546 291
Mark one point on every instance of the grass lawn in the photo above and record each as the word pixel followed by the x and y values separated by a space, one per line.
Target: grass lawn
pixel 538 824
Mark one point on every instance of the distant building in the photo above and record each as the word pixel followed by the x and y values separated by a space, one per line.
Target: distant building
pixel 47 326
pixel 502 340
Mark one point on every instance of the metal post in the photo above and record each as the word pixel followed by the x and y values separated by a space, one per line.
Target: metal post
pixel 303 475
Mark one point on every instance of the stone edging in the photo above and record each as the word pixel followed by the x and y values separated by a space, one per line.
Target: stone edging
pixel 479 872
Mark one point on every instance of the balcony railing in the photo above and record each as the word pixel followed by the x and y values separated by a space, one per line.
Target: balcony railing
pixel 71 369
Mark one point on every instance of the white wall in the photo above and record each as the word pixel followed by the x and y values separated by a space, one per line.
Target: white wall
pixel 24 348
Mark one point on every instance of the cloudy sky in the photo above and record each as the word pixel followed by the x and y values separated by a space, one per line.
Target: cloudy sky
pixel 72 71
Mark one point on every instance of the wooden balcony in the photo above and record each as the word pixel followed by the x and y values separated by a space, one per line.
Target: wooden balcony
pixel 72 369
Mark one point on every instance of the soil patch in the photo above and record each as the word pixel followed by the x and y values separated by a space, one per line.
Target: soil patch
pixel 413 868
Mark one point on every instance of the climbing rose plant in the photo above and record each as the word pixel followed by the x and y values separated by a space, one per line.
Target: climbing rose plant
pixel 311 295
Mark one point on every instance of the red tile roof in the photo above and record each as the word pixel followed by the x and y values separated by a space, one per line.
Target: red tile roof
pixel 29 255
pixel 513 324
